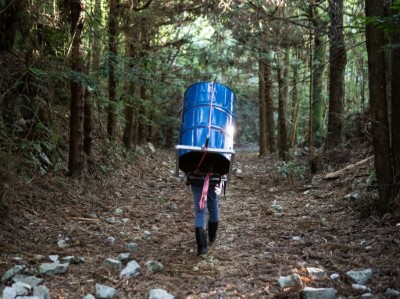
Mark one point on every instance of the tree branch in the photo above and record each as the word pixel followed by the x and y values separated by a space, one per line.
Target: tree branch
pixel 143 7
pixel 7 6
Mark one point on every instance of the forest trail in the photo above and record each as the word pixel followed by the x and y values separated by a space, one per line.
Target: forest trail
pixel 317 227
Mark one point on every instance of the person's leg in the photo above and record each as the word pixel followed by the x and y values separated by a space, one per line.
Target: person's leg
pixel 199 220
pixel 199 215
pixel 214 193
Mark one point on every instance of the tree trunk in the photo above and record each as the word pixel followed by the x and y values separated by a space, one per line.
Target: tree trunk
pixel 130 86
pixel 262 108
pixel 282 84
pixel 142 128
pixel 318 103
pixel 295 103
pixel 135 138
pixel 337 65
pixel 151 130
pixel 76 161
pixel 169 136
pixel 395 100
pixel 10 16
pixel 87 109
pixel 112 61
pixel 96 48
pixel 88 124
pixel 378 104
pixel 285 100
pixel 269 107
pixel 129 116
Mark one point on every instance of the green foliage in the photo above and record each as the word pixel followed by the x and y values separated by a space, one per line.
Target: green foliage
pixel 184 46
pixel 162 200
pixel 390 23
pixel 43 152
pixel 291 170
pixel 37 73
pixel 88 81
pixel 372 181
pixel 29 129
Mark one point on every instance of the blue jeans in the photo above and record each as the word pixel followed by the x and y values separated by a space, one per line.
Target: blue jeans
pixel 213 195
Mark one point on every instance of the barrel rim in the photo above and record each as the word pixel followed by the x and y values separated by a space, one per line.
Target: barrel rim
pixel 226 86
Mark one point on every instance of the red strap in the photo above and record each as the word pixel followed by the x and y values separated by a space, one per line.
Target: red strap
pixel 203 198
pixel 201 161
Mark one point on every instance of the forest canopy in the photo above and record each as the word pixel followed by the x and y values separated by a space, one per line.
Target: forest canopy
pixel 84 82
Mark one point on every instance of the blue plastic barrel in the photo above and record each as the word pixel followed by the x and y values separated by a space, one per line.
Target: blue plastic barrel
pixel 198 124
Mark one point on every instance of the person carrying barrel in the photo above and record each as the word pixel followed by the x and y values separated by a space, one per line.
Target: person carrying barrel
pixel 205 153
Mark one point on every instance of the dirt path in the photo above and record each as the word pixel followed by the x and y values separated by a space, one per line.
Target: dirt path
pixel 317 228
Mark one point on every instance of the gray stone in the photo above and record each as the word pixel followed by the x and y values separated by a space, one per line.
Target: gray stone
pixel 154 266
pixel 118 211
pixel 68 259
pixel 392 293
pixel 79 260
pixel 237 170
pixel 160 294
pixel 277 208
pixel 110 240
pixel 12 272
pixel 93 215
pixel 146 234
pixel 9 293
pixel 106 292
pixel 335 276
pixel 31 280
pixel 111 220
pixel 290 281
pixel 113 263
pixel 353 195
pixel 89 296
pixel 62 244
pixel 367 295
pixel 41 292
pixel 151 147
pixel 316 273
pixel 53 268
pixel 361 288
pixel 132 269
pixel 321 293
pixel 123 257
pixel 132 246
pixel 21 288
pixel 73 260
pixel 53 258
pixel 359 276
pixel 17 259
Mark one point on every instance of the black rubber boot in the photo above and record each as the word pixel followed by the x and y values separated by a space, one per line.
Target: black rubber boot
pixel 212 231
pixel 201 239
